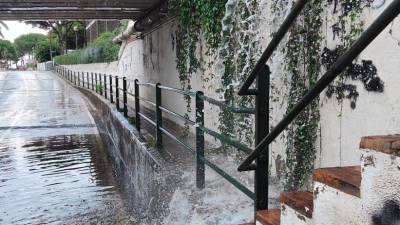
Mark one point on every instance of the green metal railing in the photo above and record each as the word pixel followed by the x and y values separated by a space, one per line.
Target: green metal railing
pixel 110 90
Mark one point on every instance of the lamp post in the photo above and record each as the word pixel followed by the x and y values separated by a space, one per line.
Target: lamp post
pixel 76 29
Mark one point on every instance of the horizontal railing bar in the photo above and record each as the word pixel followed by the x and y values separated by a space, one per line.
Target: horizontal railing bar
pixel 146 101
pixel 214 167
pixel 277 38
pixel 146 84
pixel 130 94
pixel 228 140
pixel 386 17
pixel 173 137
pixel 180 91
pixel 230 179
pixel 177 115
pixel 147 119
pixel 225 106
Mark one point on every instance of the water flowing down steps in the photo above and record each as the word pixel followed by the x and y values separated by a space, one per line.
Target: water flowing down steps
pixel 347 195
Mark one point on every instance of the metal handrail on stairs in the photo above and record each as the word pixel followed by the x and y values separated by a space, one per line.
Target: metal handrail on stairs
pixel 261 149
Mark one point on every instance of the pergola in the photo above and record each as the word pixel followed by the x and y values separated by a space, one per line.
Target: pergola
pixel 74 9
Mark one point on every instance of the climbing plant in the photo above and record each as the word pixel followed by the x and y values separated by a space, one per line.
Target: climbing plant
pixel 302 63
pixel 195 19
pixel 238 54
pixel 345 31
pixel 227 29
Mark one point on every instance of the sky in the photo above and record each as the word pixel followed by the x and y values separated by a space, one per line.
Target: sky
pixel 16 28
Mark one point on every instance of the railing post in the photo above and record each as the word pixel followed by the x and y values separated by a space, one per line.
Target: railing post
pixel 74 77
pixel 261 130
pixel 125 97
pixel 91 74
pixel 137 105
pixel 117 92
pixel 100 85
pixel 105 86
pixel 111 90
pixel 97 83
pixel 158 117
pixel 88 80
pixel 200 166
pixel 79 78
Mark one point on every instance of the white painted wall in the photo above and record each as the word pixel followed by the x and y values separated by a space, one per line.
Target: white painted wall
pixel 152 59
pixel 105 68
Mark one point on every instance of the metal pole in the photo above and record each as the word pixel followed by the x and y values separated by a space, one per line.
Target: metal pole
pixel 125 97
pixel 117 92
pixel 200 165
pixel 158 117
pixel 111 90
pixel 95 75
pixel 75 78
pixel 88 80
pixel 100 85
pixel 137 105
pixel 92 81
pixel 261 131
pixel 105 86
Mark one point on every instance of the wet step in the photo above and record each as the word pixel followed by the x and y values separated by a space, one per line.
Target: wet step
pixel 269 217
pixel 388 144
pixel 302 202
pixel 346 179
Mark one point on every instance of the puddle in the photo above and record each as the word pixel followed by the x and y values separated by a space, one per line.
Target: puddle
pixel 66 179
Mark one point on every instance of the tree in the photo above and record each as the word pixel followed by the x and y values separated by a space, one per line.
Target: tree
pixel 43 48
pixel 26 42
pixel 2 25
pixel 8 53
pixel 61 28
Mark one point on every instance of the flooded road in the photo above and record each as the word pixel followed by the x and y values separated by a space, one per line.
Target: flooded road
pixel 53 166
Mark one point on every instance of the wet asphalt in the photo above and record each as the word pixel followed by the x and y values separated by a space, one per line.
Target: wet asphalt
pixel 53 166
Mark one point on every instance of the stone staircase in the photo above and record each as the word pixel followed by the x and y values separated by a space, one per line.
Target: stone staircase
pixel 363 194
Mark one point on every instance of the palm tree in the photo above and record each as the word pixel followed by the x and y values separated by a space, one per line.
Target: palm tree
pixel 2 25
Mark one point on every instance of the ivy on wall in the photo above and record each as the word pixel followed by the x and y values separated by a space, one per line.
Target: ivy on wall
pixel 345 31
pixel 302 63
pixel 196 18
pixel 233 42
pixel 238 54
pixel 227 29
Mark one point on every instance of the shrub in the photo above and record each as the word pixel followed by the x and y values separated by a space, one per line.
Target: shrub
pixel 101 50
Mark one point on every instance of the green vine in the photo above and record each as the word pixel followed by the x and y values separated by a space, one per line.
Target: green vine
pixel 195 18
pixel 239 56
pixel 302 63
pixel 226 26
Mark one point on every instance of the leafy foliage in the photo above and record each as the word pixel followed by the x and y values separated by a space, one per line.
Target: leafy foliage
pixel 302 63
pixel 8 51
pixel 25 43
pixel 63 30
pixel 43 48
pixel 101 50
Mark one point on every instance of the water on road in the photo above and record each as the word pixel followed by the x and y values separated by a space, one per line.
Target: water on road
pixel 53 167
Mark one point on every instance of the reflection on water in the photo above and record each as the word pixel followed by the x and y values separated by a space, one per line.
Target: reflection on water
pixel 58 180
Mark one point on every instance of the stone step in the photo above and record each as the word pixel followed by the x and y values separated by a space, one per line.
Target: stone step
pixel 345 179
pixel 302 202
pixel 388 144
pixel 269 217
pixel 380 161
pixel 337 195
